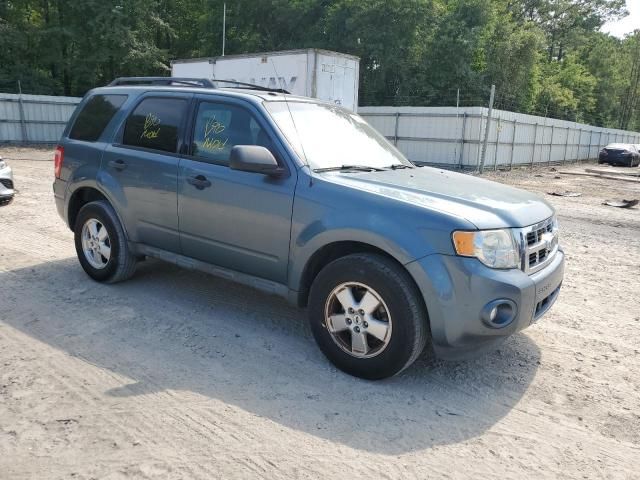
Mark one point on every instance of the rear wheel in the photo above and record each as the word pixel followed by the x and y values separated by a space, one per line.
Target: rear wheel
pixel 367 316
pixel 101 244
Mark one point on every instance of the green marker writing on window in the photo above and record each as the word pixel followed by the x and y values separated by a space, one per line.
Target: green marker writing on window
pixel 151 128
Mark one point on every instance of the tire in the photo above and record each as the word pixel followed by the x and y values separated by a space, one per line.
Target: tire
pixel 399 303
pixel 121 263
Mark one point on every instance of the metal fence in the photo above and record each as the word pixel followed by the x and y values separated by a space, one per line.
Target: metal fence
pixel 453 137
pixel 446 136
pixel 32 119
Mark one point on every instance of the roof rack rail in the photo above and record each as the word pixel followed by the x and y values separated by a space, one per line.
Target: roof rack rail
pixel 189 82
pixel 168 81
pixel 251 86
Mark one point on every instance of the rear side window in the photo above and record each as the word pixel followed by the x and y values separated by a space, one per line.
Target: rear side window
pixel 155 124
pixel 95 116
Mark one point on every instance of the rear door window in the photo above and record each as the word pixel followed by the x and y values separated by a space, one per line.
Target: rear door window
pixel 155 124
pixel 218 127
pixel 95 116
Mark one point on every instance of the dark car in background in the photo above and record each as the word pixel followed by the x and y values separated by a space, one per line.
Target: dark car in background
pixel 624 154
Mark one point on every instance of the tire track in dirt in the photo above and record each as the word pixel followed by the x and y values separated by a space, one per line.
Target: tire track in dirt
pixel 193 377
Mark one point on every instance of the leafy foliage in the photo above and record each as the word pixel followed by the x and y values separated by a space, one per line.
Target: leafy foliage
pixel 546 57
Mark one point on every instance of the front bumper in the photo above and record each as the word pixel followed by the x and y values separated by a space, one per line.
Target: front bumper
pixel 456 289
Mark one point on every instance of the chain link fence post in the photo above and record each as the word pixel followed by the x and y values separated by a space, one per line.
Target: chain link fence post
pixel 513 143
pixel 550 146
pixel 495 152
pixel 395 135
pixel 486 129
pixel 23 120
pixel 464 126
pixel 533 150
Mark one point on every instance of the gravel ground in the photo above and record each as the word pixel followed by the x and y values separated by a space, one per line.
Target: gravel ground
pixel 175 374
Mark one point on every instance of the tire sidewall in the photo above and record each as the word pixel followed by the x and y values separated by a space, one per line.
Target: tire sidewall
pixel 97 211
pixel 398 352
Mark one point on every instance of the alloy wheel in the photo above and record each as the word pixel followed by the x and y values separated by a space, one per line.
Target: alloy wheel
pixel 96 244
pixel 358 320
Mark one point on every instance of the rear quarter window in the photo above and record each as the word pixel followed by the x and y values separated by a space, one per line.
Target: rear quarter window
pixel 155 123
pixel 95 116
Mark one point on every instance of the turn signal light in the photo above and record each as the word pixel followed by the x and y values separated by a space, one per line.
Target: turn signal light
pixel 463 242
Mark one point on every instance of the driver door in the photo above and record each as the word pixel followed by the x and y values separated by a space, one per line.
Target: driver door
pixel 233 219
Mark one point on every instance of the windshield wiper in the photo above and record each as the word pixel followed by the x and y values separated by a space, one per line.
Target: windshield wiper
pixel 398 166
pixel 359 168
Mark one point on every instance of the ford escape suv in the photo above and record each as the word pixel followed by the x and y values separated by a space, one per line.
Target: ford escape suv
pixel 304 199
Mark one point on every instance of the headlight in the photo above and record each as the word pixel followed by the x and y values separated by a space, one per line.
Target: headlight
pixel 494 248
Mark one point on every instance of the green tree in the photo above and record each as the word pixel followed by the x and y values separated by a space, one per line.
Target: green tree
pixel 544 56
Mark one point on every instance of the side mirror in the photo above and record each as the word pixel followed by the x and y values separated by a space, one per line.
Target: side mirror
pixel 256 159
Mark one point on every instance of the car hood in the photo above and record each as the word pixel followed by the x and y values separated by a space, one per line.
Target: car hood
pixel 483 203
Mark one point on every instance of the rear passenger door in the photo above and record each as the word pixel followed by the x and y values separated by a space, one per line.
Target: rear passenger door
pixel 141 168
pixel 233 219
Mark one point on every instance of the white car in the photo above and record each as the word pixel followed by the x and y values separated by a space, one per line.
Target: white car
pixel 6 183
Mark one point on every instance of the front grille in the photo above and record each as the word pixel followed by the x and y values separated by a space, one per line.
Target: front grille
pixel 540 244
pixel 534 236
pixel 7 183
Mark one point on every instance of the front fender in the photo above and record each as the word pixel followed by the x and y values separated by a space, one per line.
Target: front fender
pixel 326 213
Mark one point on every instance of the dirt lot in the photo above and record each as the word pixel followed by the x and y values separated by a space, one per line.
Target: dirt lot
pixel 175 374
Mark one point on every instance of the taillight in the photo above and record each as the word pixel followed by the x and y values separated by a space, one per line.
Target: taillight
pixel 57 161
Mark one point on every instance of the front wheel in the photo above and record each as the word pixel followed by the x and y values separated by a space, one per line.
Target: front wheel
pixel 367 316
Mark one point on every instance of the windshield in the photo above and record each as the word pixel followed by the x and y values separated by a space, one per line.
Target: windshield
pixel 329 136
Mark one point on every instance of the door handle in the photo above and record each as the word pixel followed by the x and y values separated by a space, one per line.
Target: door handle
pixel 199 181
pixel 118 164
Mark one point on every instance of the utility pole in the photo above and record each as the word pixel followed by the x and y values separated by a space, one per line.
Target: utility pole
pixel 224 26
pixel 486 129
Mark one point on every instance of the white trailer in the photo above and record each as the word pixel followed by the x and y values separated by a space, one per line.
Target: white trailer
pixel 322 74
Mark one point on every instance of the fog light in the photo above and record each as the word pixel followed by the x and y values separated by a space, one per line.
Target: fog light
pixel 499 313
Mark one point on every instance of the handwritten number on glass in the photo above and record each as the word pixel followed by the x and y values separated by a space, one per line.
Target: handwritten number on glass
pixel 151 128
pixel 211 129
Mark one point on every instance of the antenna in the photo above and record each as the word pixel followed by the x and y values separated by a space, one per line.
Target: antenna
pixel 279 79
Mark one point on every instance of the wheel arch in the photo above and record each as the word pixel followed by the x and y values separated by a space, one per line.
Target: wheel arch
pixel 79 198
pixel 85 194
pixel 330 252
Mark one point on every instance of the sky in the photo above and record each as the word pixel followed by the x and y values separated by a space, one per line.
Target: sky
pixel 628 24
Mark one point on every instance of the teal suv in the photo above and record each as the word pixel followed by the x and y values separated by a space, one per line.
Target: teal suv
pixel 303 199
